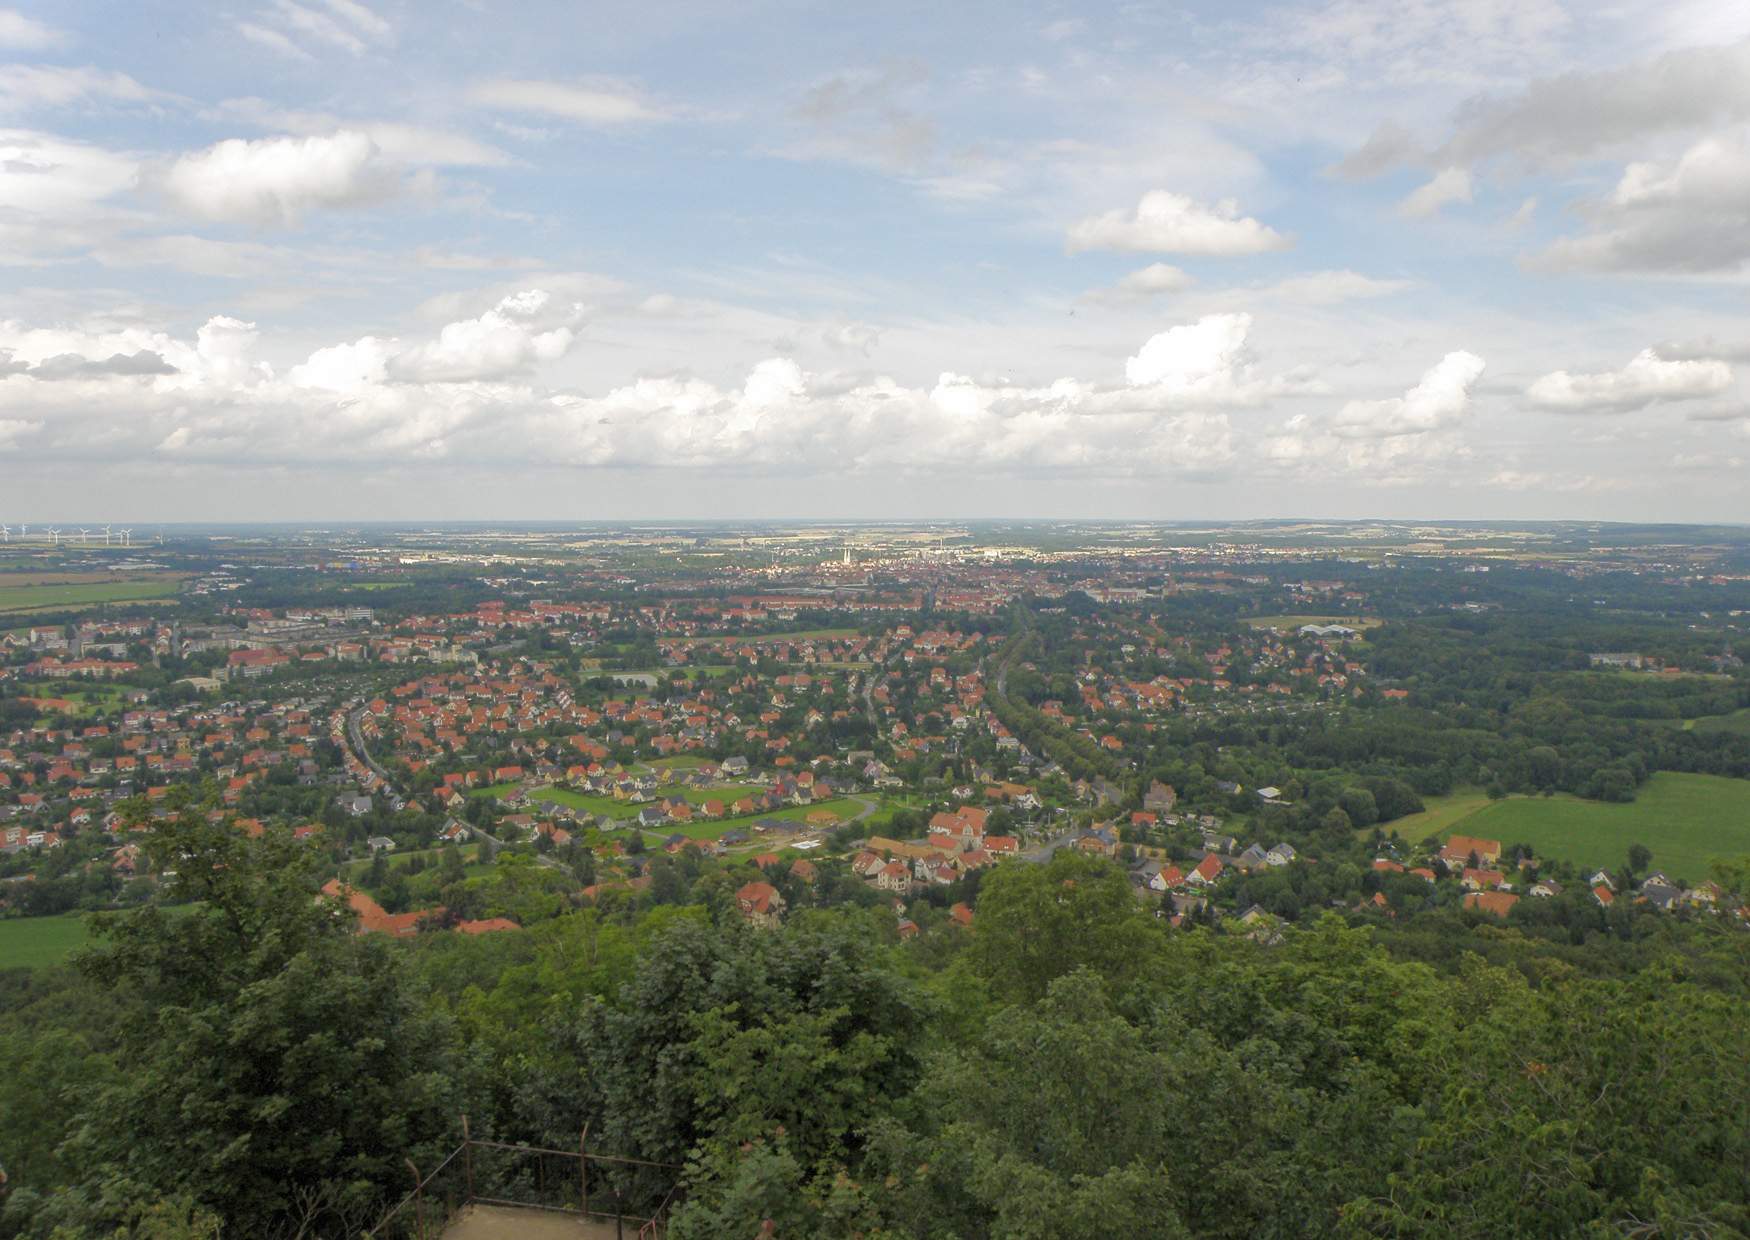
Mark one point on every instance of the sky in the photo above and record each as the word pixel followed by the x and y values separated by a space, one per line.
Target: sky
pixel 468 259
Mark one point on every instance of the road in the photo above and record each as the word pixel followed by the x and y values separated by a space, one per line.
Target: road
pixel 356 739
pixel 869 679
pixel 1045 851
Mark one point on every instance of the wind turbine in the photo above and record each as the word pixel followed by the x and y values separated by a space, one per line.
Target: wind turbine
pixel 84 535
pixel 106 535
pixel 54 536
pixel 5 533
pixel 127 538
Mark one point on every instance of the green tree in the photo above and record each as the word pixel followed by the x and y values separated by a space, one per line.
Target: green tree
pixel 1037 923
pixel 1359 804
pixel 278 1066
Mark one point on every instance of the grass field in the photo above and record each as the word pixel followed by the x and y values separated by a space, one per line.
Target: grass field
pixel 585 801
pixel 1294 622
pixel 1686 820
pixel 28 595
pixel 1439 818
pixel 676 764
pixel 32 942
pixel 843 808
pixel 755 639
pixel 91 700
pixel 1738 721
pixel 599 805
pixel 470 855
pixel 710 792
pixel 701 672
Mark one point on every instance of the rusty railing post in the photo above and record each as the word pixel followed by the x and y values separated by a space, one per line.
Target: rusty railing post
pixel 418 1198
pixel 467 1158
pixel 583 1169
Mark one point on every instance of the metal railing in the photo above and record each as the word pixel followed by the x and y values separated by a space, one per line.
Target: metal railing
pixel 630 1192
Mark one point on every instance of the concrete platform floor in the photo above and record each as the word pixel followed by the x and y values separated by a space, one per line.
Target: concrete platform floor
pixel 478 1222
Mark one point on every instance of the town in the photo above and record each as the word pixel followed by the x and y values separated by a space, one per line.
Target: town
pixel 904 720
pixel 919 782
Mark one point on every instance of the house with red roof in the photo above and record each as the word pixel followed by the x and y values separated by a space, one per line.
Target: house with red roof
pixel 760 904
pixel 1207 871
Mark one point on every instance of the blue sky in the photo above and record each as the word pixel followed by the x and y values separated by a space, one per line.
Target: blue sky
pixel 291 259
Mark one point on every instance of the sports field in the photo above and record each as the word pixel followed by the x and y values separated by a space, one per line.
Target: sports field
pixel 1687 820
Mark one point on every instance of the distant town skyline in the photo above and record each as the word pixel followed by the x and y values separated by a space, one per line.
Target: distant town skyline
pixel 342 260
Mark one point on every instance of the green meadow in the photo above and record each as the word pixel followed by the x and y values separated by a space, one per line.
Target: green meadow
pixel 59 595
pixel 1687 820
pixel 32 942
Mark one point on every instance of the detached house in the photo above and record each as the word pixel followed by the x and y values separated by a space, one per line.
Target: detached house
pixel 1207 871
pixel 760 904
pixel 1461 848
pixel 1160 798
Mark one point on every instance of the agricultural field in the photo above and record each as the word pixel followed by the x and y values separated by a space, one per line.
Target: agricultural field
pixel 33 942
pixel 23 593
pixel 1687 820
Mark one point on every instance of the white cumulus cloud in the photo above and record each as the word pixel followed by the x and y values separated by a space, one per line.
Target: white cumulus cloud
pixel 277 181
pixel 1169 223
pixel 346 367
pixel 1647 379
pixel 1690 215
pixel 1440 400
pixel 1205 358
pixel 506 340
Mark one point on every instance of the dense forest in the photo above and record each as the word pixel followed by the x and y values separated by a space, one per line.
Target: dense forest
pixel 241 1063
